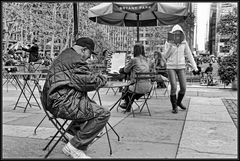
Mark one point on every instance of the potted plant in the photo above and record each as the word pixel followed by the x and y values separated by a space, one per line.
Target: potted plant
pixel 227 69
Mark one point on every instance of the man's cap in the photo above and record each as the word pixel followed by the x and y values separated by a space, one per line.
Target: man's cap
pixel 86 42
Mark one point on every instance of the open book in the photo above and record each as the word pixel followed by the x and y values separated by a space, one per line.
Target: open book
pixel 175 38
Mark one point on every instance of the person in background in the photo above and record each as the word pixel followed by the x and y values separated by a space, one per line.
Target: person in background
pixel 65 95
pixel 10 61
pixel 10 50
pixel 55 55
pixel 33 55
pixel 33 51
pixel 209 69
pixel 199 70
pixel 138 63
pixel 175 58
pixel 47 59
pixel 158 66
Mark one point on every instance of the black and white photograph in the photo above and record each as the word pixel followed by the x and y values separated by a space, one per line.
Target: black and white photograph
pixel 120 80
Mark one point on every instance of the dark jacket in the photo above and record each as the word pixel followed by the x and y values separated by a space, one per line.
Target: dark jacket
pixel 66 86
pixel 209 69
pixel 33 53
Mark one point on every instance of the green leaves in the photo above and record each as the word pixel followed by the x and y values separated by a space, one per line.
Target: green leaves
pixel 227 25
pixel 227 68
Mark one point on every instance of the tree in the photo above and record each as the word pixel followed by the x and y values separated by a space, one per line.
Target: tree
pixel 227 66
pixel 227 26
pixel 157 36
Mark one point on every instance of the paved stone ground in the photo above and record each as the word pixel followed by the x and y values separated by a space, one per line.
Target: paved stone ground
pixel 231 105
pixel 204 130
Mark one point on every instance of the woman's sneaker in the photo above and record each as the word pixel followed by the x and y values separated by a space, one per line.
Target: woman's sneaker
pixel 70 150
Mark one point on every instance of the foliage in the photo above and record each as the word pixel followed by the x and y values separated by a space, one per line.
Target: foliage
pixel 157 35
pixel 227 65
pixel 50 22
pixel 227 68
pixel 227 26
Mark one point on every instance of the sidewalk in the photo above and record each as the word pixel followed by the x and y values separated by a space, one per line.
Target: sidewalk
pixel 204 130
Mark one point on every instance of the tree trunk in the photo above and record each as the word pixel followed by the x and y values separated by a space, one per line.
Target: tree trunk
pixel 68 30
pixel 53 35
pixel 44 44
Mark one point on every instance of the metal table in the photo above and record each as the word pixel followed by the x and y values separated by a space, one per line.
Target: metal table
pixel 26 85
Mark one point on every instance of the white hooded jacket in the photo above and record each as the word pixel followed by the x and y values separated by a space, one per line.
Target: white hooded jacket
pixel 175 54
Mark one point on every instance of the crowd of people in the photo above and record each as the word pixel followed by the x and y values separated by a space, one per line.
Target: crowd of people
pixel 65 91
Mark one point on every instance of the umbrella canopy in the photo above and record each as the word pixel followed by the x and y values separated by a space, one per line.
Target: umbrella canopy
pixel 139 14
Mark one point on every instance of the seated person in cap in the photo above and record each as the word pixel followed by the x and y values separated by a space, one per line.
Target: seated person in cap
pixel 65 95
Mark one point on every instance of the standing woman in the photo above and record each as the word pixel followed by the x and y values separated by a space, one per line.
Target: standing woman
pixel 175 54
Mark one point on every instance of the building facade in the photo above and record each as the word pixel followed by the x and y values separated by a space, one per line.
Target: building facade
pixel 212 29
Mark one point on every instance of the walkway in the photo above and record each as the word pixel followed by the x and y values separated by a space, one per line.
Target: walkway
pixel 204 130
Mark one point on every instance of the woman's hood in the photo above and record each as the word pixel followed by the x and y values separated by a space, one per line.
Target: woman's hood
pixel 178 27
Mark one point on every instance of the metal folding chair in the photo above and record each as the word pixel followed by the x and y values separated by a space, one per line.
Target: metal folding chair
pixel 167 83
pixel 139 77
pixel 114 91
pixel 9 79
pixel 61 129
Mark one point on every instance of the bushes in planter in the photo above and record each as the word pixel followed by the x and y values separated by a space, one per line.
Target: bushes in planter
pixel 227 68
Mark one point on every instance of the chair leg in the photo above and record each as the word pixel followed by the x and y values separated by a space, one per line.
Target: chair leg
pixel 50 141
pixel 58 131
pixel 130 98
pixel 109 143
pixel 107 90
pixel 114 131
pixel 62 135
pixel 145 103
pixel 55 145
pixel 148 109
pixel 35 130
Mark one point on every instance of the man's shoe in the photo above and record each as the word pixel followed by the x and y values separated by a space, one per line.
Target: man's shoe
pixel 123 105
pixel 70 150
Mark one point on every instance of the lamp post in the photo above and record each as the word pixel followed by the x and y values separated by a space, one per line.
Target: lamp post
pixel 75 20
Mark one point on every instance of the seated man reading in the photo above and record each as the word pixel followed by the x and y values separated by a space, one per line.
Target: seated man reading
pixel 65 95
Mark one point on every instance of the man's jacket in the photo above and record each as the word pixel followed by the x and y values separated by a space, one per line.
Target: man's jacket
pixel 33 53
pixel 66 86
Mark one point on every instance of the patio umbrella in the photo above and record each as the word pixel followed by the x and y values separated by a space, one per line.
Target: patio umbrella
pixel 139 14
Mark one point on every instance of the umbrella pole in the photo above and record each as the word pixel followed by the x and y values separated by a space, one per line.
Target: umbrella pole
pixel 137 27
